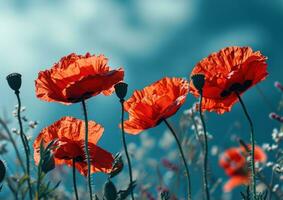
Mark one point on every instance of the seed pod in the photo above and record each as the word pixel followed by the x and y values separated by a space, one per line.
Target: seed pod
pixel 14 81
pixel 198 81
pixel 121 89
pixel 2 171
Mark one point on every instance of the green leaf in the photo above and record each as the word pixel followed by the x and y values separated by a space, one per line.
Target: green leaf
pixel 48 164
pixel 165 195
pixel 123 194
pixel 22 180
pixel 110 191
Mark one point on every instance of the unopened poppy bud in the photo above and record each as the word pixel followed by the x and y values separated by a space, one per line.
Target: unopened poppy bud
pixel 278 85
pixel 110 191
pixel 48 163
pixel 14 81
pixel 198 81
pixel 276 117
pixel 121 89
pixel 2 171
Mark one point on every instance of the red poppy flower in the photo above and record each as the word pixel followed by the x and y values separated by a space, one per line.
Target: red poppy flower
pixel 77 77
pixel 232 69
pixel 69 133
pixel 234 162
pixel 160 100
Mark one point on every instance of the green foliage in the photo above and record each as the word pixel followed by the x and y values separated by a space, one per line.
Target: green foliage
pixel 110 191
pixel 123 194
pixel 165 195
pixel 248 195
pixel 46 164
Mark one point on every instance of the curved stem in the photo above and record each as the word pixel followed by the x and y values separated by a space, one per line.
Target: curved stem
pixel 204 172
pixel 13 143
pixel 125 147
pixel 183 157
pixel 38 179
pixel 25 143
pixel 86 149
pixel 74 179
pixel 252 140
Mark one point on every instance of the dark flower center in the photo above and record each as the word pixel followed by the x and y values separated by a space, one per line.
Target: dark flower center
pixel 236 87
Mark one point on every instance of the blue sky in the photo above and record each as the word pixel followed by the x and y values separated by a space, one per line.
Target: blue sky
pixel 150 39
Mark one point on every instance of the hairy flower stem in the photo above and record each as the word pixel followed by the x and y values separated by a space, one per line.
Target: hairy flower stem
pixel 204 172
pixel 125 146
pixel 252 140
pixel 25 143
pixel 183 157
pixel 74 179
pixel 14 144
pixel 87 149
pixel 38 179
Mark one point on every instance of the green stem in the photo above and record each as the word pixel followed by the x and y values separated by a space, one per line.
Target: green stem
pixel 87 149
pixel 204 172
pixel 252 140
pixel 183 157
pixel 125 147
pixel 25 143
pixel 13 143
pixel 74 179
pixel 38 178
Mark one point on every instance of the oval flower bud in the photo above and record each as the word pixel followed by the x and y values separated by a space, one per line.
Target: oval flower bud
pixel 121 89
pixel 2 171
pixel 198 81
pixel 110 191
pixel 14 81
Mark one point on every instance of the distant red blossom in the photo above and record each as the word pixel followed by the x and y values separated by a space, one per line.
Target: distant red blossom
pixel 235 164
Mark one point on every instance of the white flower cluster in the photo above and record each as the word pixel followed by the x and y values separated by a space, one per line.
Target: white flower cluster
pixel 269 147
pixel 277 135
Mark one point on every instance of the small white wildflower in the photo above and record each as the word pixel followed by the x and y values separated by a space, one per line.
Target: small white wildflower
pixel 29 137
pixel 277 168
pixel 15 113
pixel 248 158
pixel 274 146
pixel 33 124
pixel 265 146
pixel 256 164
pixel 260 187
pixel 275 188
pixel 14 130
pixel 269 164
pixel 214 150
pixel 23 109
